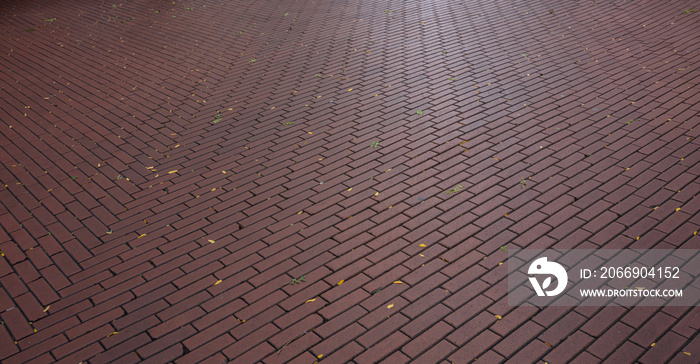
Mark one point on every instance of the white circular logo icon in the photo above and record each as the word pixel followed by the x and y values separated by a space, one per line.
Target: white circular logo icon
pixel 542 266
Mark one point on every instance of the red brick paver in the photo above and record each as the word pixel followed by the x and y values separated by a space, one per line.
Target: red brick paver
pixel 168 168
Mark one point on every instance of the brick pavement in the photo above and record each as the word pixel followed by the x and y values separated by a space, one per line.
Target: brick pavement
pixel 169 167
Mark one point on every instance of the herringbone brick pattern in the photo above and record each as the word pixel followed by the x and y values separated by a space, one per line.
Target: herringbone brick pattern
pixel 170 169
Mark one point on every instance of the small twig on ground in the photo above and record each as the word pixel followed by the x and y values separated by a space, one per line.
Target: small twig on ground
pixel 295 339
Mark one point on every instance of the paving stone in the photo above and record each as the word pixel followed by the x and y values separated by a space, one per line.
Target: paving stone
pixel 167 170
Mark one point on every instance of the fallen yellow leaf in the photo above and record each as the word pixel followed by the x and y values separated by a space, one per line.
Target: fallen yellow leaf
pixel 376 194
pixel 350 189
pixel 217 282
pixel 112 334
pixel 652 344
pixel 319 356
pixel 349 90
pixel 678 209
pixel 212 241
pixel 47 308
pixel 171 172
pixel 398 282
pixel 498 317
pixel 341 282
pixel 686 353
pixel 311 300
pixel 422 245
pixel 390 306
